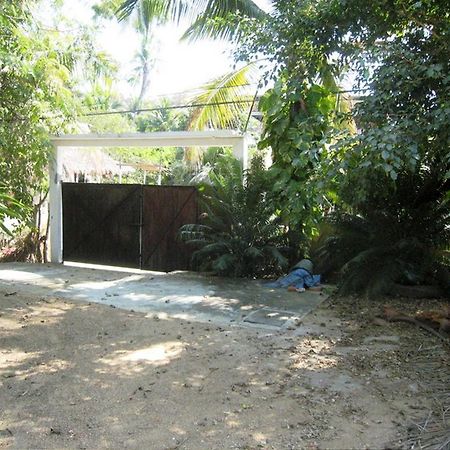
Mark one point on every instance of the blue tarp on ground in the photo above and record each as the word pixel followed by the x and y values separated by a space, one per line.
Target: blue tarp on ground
pixel 299 278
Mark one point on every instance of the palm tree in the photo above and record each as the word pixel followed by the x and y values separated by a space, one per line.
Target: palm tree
pixel 224 98
pixel 201 14
pixel 145 17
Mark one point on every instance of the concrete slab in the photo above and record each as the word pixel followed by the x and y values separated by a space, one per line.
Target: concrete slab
pixel 184 295
pixel 271 317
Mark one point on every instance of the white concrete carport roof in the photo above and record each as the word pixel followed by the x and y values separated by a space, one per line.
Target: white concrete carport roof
pixel 219 138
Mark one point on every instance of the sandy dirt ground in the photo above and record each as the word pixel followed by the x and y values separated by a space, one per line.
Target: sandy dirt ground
pixel 79 375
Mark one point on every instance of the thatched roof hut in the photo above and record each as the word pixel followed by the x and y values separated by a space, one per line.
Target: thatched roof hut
pixel 89 164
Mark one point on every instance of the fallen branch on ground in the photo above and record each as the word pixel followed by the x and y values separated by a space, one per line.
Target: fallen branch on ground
pixel 392 315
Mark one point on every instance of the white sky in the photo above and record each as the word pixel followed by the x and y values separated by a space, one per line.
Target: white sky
pixel 178 66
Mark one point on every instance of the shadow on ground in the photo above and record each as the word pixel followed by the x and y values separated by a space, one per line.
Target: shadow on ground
pixel 75 375
pixel 183 295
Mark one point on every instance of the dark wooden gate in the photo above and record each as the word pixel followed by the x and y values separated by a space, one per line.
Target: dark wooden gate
pixel 101 223
pixel 127 225
pixel 165 209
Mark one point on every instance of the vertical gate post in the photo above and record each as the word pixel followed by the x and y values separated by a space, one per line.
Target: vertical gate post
pixel 240 151
pixel 55 204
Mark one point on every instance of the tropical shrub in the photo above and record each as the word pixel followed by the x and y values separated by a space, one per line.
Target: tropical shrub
pixel 9 209
pixel 297 120
pixel 40 70
pixel 398 236
pixel 391 179
pixel 239 234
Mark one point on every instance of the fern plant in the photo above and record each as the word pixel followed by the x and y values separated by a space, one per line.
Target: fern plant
pixel 239 234
pixel 10 208
pixel 397 236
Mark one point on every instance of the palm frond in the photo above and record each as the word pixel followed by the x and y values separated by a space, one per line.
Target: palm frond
pixel 177 10
pixel 253 252
pixel 195 228
pixel 387 244
pixel 220 20
pixel 206 28
pixel 220 8
pixel 280 260
pixel 209 252
pixel 225 264
pixel 239 234
pixel 10 208
pixel 226 98
pixel 152 9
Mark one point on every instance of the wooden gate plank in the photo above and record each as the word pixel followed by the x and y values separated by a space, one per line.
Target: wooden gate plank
pixel 101 223
pixel 165 210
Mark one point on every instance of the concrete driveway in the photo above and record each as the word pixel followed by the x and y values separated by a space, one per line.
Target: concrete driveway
pixel 184 295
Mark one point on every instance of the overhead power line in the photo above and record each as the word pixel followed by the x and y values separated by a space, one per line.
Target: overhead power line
pixel 194 105
pixel 201 89
pixel 163 108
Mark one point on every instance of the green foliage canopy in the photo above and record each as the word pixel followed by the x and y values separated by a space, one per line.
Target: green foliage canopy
pixel 239 235
pixel 393 175
pixel 41 71
pixel 398 53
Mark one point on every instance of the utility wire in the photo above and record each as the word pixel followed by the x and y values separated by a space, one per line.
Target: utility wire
pixel 195 105
pixel 163 108
pixel 251 108
pixel 201 89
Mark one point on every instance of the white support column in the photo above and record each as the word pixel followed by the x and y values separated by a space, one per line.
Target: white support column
pixel 55 203
pixel 240 151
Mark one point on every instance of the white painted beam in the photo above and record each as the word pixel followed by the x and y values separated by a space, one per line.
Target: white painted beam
pixel 240 151
pixel 55 205
pixel 157 139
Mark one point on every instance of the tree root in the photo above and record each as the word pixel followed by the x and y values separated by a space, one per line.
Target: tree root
pixel 392 315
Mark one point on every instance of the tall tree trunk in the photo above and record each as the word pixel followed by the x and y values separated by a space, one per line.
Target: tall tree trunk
pixel 144 85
